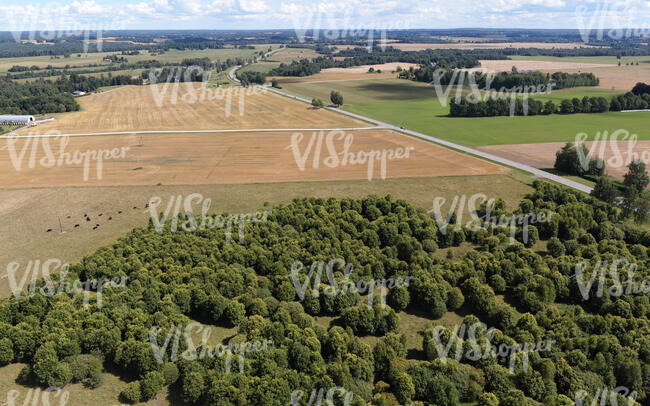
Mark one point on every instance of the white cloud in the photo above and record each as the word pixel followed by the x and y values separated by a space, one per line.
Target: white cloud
pixel 335 14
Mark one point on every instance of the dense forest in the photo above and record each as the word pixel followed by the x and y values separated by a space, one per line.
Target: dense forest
pixel 525 292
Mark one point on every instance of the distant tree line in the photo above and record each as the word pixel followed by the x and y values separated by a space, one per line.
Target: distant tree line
pixel 508 80
pixel 36 72
pixel 361 56
pixel 42 97
pixel 513 104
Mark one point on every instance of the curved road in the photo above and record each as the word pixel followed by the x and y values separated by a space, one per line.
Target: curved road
pixel 537 172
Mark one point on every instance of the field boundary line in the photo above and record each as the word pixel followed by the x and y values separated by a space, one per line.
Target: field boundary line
pixel 220 131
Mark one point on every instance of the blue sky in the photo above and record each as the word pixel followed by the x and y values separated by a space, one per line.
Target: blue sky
pixel 40 15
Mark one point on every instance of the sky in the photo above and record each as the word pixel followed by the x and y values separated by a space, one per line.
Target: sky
pixel 42 15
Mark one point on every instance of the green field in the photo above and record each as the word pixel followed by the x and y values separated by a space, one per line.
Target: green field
pixel 171 56
pixel 297 53
pixel 415 106
pixel 264 67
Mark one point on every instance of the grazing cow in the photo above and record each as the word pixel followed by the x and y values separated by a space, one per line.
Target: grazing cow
pixel 101 214
pixel 68 217
pixel 76 225
pixel 119 212
pixel 87 218
pixel 48 230
pixel 110 218
pixel 135 207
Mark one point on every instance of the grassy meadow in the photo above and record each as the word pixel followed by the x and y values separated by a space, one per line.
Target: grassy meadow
pixel 415 106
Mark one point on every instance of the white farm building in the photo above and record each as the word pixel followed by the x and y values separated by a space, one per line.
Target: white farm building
pixel 16 119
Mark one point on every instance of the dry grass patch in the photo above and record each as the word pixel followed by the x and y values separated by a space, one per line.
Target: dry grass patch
pixel 145 108
pixel 234 158
pixel 618 78
pixel 344 76
pixel 523 65
pixel 385 67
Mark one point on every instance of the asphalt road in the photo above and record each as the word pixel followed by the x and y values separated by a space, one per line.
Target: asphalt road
pixel 537 172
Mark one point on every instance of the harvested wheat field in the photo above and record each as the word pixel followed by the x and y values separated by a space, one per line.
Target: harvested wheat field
pixel 617 155
pixel 230 158
pixel 188 106
pixel 324 76
pixel 390 66
pixel 490 45
pixel 460 43
pixel 522 65
pixel 618 78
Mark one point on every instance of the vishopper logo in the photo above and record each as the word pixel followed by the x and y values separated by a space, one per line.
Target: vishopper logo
pixel 444 340
pixel 314 23
pixel 36 269
pixel 619 158
pixel 317 396
pixel 473 204
pixel 346 286
pixel 601 17
pixel 51 396
pixel 191 85
pixel 461 81
pixel 205 221
pixel 338 144
pixel 631 286
pixel 51 158
pixel 606 397
pixel 50 22
pixel 176 332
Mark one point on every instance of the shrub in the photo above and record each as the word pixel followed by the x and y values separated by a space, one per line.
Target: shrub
pixel 6 351
pixel 132 393
pixel 152 383
pixel 170 372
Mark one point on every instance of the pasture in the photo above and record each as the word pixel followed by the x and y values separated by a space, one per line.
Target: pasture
pixel 415 105
pixel 28 212
pixel 287 55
